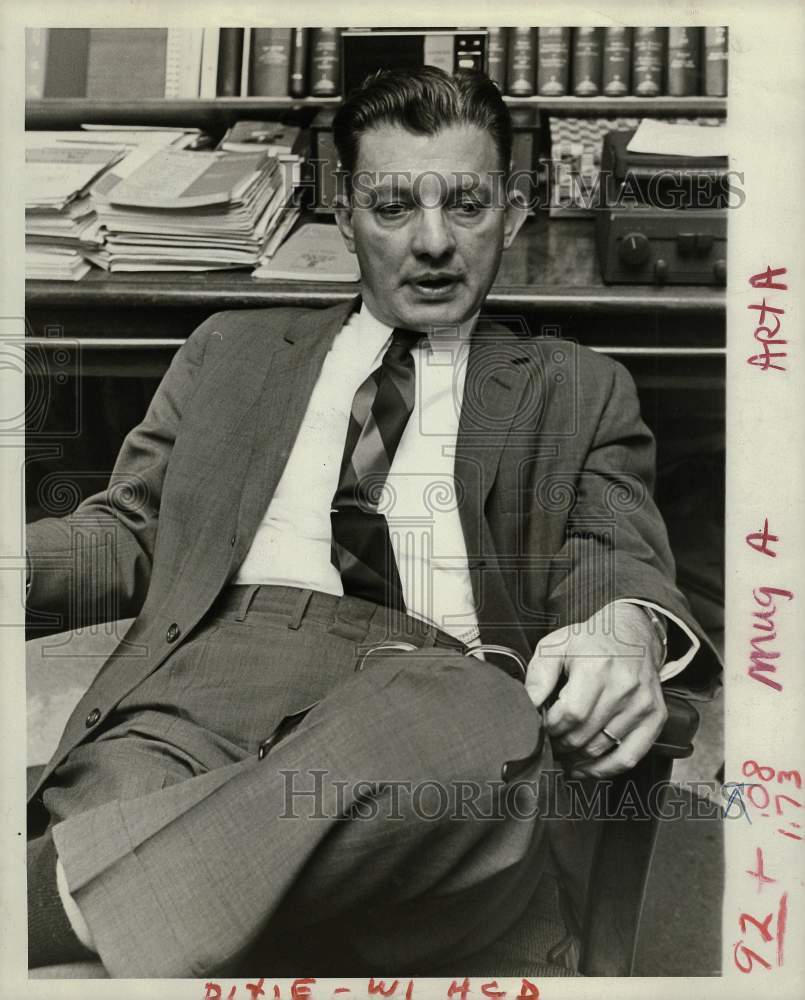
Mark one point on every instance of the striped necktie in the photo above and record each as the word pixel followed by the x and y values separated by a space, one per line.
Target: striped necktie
pixel 361 547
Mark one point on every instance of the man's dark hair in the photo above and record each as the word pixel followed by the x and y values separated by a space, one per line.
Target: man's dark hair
pixel 423 101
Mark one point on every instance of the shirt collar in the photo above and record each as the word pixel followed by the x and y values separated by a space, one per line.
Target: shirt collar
pixel 440 338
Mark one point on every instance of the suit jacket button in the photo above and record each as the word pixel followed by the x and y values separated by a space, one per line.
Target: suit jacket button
pixel 173 632
pixel 93 718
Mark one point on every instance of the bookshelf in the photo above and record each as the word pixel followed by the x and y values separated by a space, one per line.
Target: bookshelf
pixel 551 274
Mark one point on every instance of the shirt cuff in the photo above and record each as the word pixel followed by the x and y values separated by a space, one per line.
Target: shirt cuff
pixel 671 667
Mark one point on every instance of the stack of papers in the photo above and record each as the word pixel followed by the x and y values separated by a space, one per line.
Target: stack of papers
pixel 61 225
pixel 59 219
pixel 178 210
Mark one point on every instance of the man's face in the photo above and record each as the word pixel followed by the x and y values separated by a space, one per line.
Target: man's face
pixel 428 221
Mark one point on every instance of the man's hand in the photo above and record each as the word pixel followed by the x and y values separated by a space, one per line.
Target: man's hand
pixel 611 662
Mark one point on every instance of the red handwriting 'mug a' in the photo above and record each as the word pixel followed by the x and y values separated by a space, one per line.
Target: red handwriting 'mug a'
pixel 763 652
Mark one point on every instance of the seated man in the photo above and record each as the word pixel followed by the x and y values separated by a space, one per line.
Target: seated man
pixel 249 769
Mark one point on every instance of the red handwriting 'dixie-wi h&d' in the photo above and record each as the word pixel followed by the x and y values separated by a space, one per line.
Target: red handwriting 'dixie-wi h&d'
pixel 394 989
pixel 767 331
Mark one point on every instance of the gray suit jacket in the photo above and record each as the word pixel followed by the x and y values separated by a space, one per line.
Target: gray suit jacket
pixel 554 468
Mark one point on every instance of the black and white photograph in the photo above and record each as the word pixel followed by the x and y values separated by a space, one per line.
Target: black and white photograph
pixel 401 439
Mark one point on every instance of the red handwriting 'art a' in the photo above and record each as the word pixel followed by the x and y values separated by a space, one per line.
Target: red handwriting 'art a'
pixel 760 540
pixel 767 330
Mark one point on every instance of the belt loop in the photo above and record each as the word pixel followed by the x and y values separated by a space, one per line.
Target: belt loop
pixel 246 601
pixel 295 619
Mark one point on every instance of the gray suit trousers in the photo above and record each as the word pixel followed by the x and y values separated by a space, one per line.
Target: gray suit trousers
pixel 379 824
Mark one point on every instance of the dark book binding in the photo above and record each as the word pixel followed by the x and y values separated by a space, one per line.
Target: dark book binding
pixel 520 71
pixel 684 61
pixel 67 62
pixel 616 63
pixel 270 69
pixel 496 56
pixel 230 62
pixel 648 51
pixel 715 61
pixel 298 84
pixel 586 62
pixel 325 62
pixel 553 61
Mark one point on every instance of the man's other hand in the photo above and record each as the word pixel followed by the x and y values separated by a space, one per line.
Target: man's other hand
pixel 611 663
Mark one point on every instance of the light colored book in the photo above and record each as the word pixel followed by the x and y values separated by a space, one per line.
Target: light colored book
pixel 315 252
pixel 183 62
pixel 209 63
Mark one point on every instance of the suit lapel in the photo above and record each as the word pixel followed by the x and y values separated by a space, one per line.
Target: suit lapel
pixel 498 395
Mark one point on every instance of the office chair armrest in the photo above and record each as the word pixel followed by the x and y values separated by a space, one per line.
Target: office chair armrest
pixel 676 737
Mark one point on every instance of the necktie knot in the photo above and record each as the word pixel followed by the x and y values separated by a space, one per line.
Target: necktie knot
pixel 402 343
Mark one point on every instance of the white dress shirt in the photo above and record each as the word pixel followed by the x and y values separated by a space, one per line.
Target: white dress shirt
pixel 292 544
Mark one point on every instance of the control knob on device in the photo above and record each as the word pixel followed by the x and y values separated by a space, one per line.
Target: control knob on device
pixel 634 250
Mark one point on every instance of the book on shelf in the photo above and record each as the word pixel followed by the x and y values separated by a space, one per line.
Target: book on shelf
pixel 183 62
pixel 208 82
pixel 553 61
pixel 522 57
pixel 496 56
pixel 36 55
pixel 315 252
pixel 113 63
pixel 325 62
pixel 270 62
pixel 715 61
pixel 141 63
pixel 648 58
pixel 298 76
pixel 684 61
pixel 586 62
pixel 616 62
pixel 245 62
pixel 230 62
